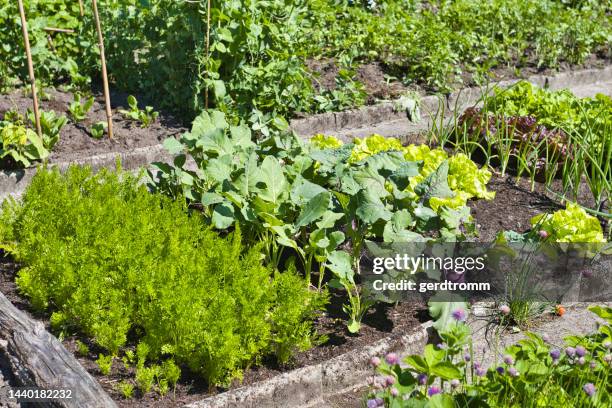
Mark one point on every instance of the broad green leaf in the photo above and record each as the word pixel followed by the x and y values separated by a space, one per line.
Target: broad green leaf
pixel 223 215
pixel 329 219
pixel 445 370
pixel 314 209
pixel 436 184
pixel 173 146
pixel 369 208
pixel 441 401
pixel 401 176
pixel 418 363
pixel 273 180
pixel 339 262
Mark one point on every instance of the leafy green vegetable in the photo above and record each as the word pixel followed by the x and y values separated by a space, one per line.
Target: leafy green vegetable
pixel 570 225
pixel 21 144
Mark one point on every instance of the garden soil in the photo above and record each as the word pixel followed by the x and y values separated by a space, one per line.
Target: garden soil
pixel 76 141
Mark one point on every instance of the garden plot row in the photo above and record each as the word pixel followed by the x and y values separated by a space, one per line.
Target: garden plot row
pixel 137 145
pixel 307 209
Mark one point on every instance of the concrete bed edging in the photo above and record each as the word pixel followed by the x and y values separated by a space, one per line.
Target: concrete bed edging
pixel 14 182
pixel 386 111
pixel 308 385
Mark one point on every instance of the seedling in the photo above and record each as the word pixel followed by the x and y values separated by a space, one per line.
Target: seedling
pixel 78 110
pixel 97 130
pixel 146 117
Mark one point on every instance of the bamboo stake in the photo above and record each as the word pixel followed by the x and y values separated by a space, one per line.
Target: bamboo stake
pixel 26 40
pixel 81 8
pixel 59 30
pixel 109 113
pixel 207 51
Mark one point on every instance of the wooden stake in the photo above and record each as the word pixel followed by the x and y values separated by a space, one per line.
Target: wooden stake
pixel 81 8
pixel 109 113
pixel 26 40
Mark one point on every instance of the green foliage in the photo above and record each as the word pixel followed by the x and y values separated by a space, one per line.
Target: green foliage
pixel 21 144
pixel 51 124
pixel 114 259
pixel 297 197
pixel 126 389
pixel 82 348
pixel 105 363
pixel 97 130
pixel 533 373
pixel 78 110
pixel 570 225
pixel 146 117
pixel 251 58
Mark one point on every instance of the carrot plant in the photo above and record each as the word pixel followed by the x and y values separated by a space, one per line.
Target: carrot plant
pixel 126 267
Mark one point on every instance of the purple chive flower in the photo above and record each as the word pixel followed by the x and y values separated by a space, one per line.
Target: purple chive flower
pixel 480 371
pixel 593 365
pixel 504 309
pixel 467 356
pixel 441 346
pixel 500 370
pixel 608 358
pixel 580 351
pixel 389 380
pixel 570 351
pixel 459 315
pixel 422 379
pixel 546 338
pixel 375 361
pixel 392 358
pixel 513 372
pixel 543 234
pixel 395 392
pixel 589 388
pixel 380 402
pixel 372 403
pixel 555 354
pixel 433 390
pixel 581 361
pixel 508 360
pixel 607 345
pixel 455 383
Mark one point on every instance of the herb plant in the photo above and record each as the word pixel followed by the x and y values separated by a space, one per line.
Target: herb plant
pixel 100 247
pixel 532 373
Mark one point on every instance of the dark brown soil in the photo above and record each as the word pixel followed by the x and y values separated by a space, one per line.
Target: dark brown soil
pixel 379 82
pixel 76 141
pixel 514 205
pixel 382 321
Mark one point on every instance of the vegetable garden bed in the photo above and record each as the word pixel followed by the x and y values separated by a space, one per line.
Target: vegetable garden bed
pixel 240 266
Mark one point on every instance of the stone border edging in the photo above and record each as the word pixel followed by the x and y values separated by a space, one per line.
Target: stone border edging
pixel 386 112
pixel 307 385
pixel 13 183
